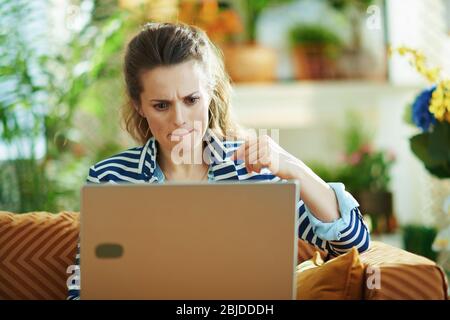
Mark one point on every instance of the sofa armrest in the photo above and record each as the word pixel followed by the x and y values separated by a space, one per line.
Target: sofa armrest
pixel 35 251
pixel 401 275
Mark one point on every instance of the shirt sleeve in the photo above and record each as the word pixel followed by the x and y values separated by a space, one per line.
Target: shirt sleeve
pixel 341 235
pixel 335 237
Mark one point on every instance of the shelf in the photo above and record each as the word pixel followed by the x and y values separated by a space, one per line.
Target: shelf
pixel 300 104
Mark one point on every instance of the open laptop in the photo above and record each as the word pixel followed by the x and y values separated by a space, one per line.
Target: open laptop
pixel 198 240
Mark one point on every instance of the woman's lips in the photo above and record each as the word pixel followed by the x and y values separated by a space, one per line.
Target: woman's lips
pixel 180 132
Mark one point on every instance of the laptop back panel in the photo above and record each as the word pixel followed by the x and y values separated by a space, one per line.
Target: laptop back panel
pixel 189 241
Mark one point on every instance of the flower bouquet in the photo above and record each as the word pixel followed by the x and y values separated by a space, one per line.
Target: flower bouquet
pixel 430 112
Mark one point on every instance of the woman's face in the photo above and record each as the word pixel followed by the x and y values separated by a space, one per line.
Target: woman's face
pixel 175 102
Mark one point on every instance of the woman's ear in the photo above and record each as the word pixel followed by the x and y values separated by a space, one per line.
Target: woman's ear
pixel 138 109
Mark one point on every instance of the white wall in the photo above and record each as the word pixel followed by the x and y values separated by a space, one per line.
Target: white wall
pixel 421 25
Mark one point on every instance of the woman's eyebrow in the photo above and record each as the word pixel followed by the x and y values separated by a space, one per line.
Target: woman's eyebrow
pixel 162 100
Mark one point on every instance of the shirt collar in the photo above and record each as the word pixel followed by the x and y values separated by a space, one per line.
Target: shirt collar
pixel 216 151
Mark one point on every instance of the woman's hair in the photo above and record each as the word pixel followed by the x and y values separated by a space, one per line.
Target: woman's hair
pixel 165 44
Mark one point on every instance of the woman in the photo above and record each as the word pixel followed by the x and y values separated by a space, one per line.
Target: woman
pixel 179 110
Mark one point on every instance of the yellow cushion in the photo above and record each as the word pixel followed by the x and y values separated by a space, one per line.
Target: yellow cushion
pixel 341 278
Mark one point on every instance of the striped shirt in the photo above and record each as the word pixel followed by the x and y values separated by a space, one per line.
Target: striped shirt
pixel 139 165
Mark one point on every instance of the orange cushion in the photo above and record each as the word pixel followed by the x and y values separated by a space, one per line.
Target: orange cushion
pixel 306 251
pixel 341 278
pixel 35 251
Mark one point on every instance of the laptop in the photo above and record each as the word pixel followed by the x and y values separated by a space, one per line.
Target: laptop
pixel 189 241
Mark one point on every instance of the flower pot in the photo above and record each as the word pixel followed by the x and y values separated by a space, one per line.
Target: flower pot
pixel 250 62
pixel 360 64
pixel 378 205
pixel 314 62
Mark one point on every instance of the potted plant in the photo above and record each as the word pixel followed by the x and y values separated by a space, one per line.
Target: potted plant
pixel 315 50
pixel 245 59
pixel 430 112
pixel 355 60
pixel 365 172
pixel 221 23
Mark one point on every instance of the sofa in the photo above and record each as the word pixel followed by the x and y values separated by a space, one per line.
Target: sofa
pixel 37 248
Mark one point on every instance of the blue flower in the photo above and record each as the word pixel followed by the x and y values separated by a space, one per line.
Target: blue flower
pixel 420 110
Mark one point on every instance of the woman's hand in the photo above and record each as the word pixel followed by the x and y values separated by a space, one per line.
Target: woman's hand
pixel 264 152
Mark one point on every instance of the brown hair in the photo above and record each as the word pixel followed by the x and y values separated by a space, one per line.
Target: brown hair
pixel 164 44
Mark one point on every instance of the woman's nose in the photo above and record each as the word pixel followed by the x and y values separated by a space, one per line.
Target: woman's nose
pixel 179 114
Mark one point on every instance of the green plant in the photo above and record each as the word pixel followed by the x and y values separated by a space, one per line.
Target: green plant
pixel 419 239
pixel 315 35
pixel 41 108
pixel 344 4
pixel 362 168
pixel 366 170
pixel 24 185
pixel 366 174
pixel 325 172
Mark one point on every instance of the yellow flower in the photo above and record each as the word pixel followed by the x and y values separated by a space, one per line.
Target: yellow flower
pixel 402 50
pixel 440 101
pixel 418 60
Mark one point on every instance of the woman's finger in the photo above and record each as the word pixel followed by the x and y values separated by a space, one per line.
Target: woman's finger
pixel 258 160
pixel 243 149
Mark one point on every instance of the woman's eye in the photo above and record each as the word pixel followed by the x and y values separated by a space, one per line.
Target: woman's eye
pixel 161 106
pixel 192 100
